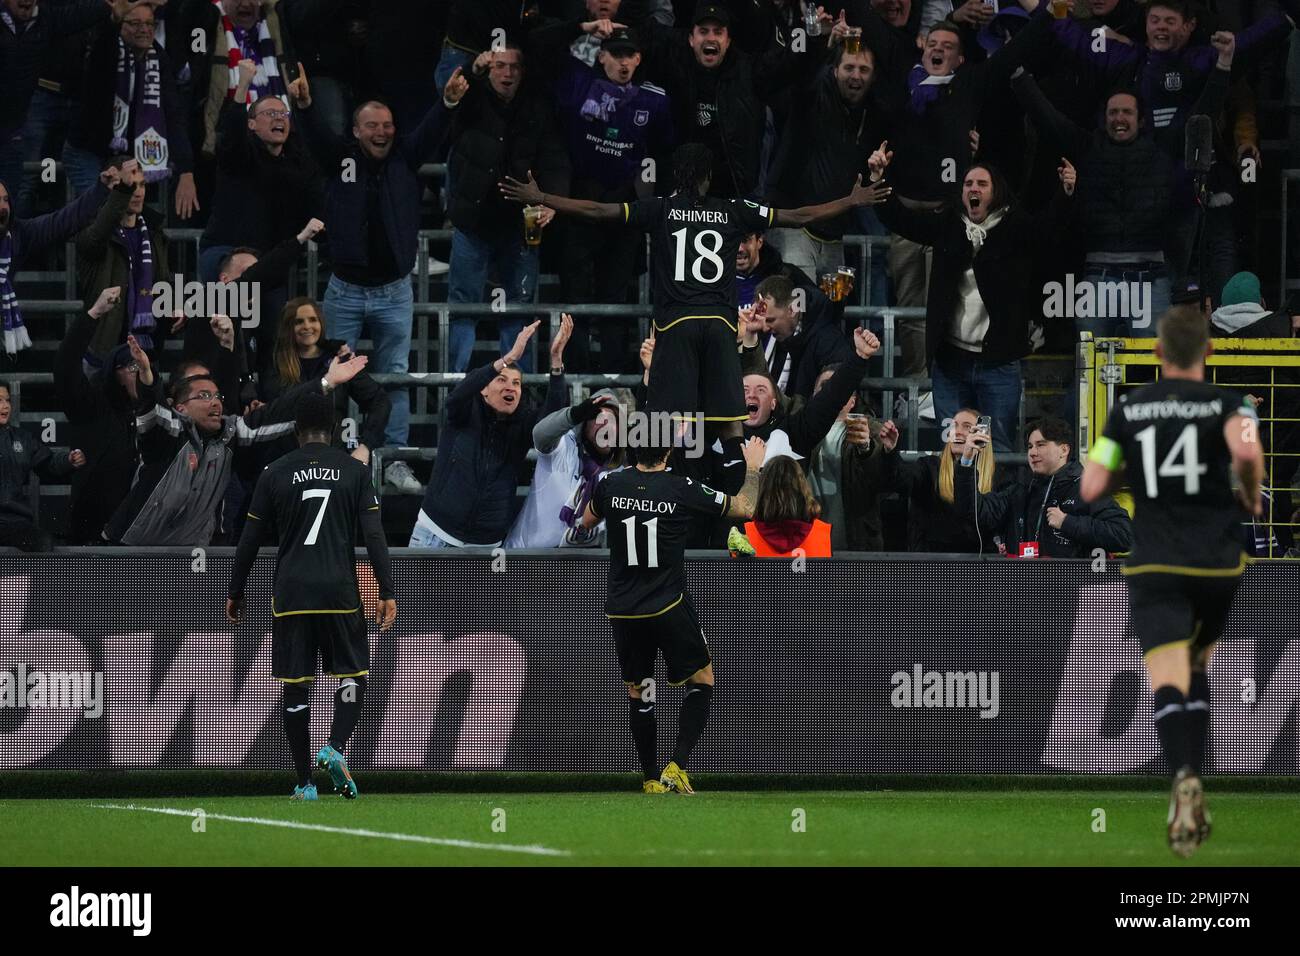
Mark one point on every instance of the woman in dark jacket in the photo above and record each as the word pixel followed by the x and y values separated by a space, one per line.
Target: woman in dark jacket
pixel 929 485
pixel 301 354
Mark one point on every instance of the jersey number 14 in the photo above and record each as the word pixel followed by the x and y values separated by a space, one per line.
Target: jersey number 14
pixel 1181 462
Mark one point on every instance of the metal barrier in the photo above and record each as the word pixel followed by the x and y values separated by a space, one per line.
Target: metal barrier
pixel 1108 366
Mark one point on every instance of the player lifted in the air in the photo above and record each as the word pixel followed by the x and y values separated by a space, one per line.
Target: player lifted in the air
pixel 693 243
pixel 312 501
pixel 1179 443
pixel 648 513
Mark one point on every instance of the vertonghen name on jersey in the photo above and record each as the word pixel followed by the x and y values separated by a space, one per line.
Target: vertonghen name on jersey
pixel 316 474
pixel 643 504
pixel 1173 409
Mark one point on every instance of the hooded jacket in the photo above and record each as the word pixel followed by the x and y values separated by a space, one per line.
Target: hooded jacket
pixel 101 422
pixel 1019 513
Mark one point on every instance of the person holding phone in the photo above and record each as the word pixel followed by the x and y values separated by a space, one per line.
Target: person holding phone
pixel 1045 515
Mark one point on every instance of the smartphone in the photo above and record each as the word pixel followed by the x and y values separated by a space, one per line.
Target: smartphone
pixel 290 73
pixel 984 425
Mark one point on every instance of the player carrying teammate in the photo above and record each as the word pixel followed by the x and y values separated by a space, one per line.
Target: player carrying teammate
pixel 1180 441
pixel 694 238
pixel 312 500
pixel 648 513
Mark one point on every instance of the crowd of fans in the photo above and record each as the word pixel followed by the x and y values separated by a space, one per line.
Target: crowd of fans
pixel 1023 144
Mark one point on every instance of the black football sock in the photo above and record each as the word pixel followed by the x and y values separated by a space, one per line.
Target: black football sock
pixel 1171 726
pixel 347 710
pixel 641 718
pixel 1198 720
pixel 690 724
pixel 297 728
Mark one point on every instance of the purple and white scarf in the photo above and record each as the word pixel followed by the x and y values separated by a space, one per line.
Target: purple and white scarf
pixel 923 89
pixel 139 123
pixel 15 332
pixel 139 297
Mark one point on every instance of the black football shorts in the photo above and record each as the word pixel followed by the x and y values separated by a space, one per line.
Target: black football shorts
pixel 696 367
pixel 340 640
pixel 1166 609
pixel 676 632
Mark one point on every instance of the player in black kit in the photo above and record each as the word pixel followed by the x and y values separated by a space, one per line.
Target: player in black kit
pixel 1180 441
pixel 648 513
pixel 694 238
pixel 312 501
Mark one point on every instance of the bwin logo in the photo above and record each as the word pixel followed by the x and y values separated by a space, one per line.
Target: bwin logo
pixel 103 909
pixel 922 688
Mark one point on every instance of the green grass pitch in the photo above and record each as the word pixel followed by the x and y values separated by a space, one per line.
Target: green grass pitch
pixel 841 827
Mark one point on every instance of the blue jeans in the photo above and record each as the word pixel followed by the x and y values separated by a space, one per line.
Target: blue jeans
pixel 82 168
pixel 424 538
pixel 869 224
pixel 1149 281
pixel 47 124
pixel 514 264
pixel 387 311
pixel 963 380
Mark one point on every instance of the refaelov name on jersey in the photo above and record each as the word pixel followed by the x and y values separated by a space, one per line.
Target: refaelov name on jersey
pixel 643 504
pixel 1172 408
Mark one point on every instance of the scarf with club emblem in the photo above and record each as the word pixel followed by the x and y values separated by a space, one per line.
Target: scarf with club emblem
pixel 139 123
pixel 15 332
pixel 139 293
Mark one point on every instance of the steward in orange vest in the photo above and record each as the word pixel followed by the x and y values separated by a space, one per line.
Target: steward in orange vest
pixel 780 539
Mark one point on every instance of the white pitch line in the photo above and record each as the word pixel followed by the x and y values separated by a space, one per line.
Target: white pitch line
pixel 533 850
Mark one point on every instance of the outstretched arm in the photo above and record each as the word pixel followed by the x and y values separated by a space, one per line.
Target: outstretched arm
pixel 530 193
pixel 859 195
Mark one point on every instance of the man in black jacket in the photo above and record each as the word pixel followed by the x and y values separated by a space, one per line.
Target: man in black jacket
pixel 803 334
pixel 101 420
pixel 470 501
pixel 20 455
pixel 824 148
pixel 1047 511
pixel 267 182
pixel 718 93
pixel 982 293
pixel 27 31
pixel 1126 201
pixel 502 128
pixel 755 261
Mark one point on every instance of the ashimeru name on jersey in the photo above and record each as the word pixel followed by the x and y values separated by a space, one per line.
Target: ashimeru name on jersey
pixel 316 474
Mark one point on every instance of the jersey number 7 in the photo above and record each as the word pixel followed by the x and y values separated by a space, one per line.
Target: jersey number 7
pixel 324 495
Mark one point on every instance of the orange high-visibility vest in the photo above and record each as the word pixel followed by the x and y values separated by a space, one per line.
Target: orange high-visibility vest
pixel 816 545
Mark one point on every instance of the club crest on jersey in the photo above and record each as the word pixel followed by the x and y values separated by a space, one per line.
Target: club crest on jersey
pixel 704 117
pixel 18 448
pixel 641 117
pixel 1173 82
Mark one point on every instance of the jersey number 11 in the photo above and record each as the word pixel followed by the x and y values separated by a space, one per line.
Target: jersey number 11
pixel 652 542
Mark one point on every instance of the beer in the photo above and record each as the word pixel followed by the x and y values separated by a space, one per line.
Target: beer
pixel 533 225
pixel 830 286
pixel 844 280
pixel 853 40
pixel 812 24
pixel 1060 9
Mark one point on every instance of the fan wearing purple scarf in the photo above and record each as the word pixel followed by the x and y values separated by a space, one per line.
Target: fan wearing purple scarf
pixel 131 104
pixel 24 238
pixel 124 247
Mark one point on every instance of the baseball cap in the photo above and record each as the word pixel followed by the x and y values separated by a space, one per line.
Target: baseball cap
pixel 622 40
pixel 711 11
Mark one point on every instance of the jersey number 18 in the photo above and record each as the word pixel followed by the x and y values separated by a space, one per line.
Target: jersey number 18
pixel 703 254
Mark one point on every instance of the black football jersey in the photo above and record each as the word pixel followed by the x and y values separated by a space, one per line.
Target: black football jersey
pixel 649 518
pixel 693 245
pixel 312 500
pixel 1169 437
